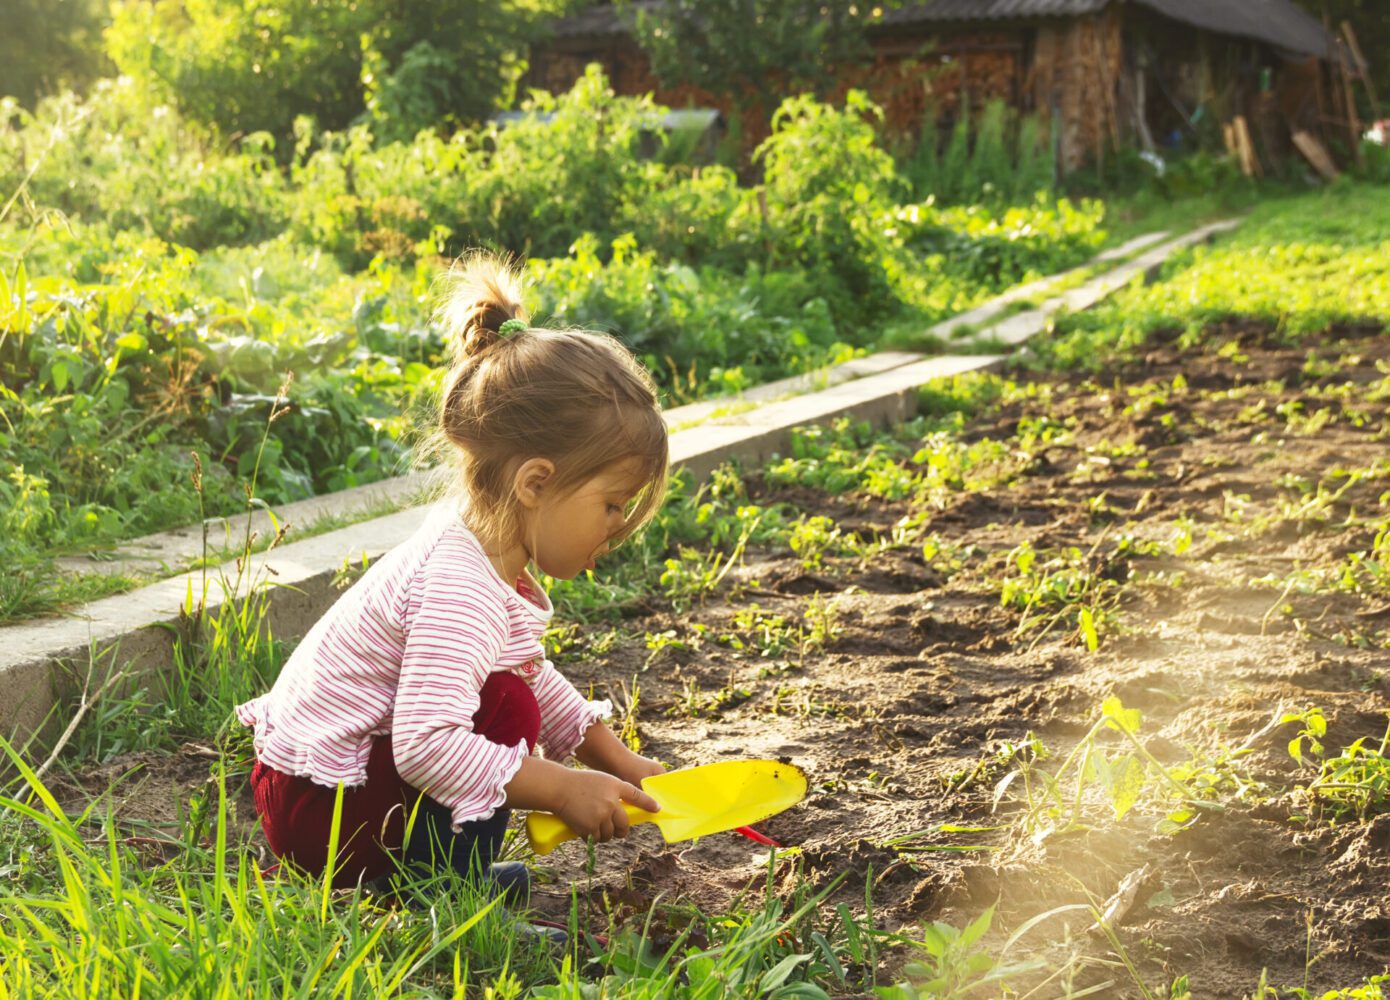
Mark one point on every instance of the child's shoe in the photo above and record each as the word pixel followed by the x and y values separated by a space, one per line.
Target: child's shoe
pixel 545 932
pixel 511 880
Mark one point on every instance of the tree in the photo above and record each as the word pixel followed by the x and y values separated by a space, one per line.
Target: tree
pixel 256 65
pixel 766 48
pixel 50 44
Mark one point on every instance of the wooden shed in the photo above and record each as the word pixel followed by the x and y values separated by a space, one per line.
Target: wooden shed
pixel 1149 73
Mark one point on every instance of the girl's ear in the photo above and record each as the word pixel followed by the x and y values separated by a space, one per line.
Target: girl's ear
pixel 530 481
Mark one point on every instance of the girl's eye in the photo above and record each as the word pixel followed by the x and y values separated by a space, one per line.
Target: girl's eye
pixel 614 509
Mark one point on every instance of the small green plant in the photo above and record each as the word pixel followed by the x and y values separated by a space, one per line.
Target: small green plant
pixel 1024 754
pixel 696 574
pixel 696 702
pixel 670 640
pixel 1312 729
pixel 812 538
pixel 806 702
pixel 773 636
pixel 953 965
pixel 1121 778
pixel 1374 988
pixel 755 630
pixel 1065 586
pixel 627 720
pixel 1367 571
pixel 821 625
pixel 783 949
pixel 1354 782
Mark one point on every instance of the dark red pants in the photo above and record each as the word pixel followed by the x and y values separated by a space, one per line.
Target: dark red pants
pixel 297 813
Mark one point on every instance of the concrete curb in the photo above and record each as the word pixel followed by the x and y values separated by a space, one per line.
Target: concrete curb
pixel 44 662
pixel 169 552
pixel 986 312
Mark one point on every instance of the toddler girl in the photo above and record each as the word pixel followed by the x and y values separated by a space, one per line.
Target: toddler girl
pixel 425 690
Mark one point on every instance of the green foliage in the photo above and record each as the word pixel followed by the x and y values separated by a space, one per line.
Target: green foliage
pixel 783 950
pixel 677 316
pixel 89 159
pixel 188 912
pixel 1299 265
pixel 919 461
pixel 112 389
pixel 565 166
pixel 1355 781
pixel 414 96
pixel 955 163
pixel 1188 176
pixel 1063 586
pixel 1370 989
pixel 1005 157
pixel 569 166
pixel 50 45
pixel 828 184
pixel 252 65
pixel 1123 779
pixel 954 964
pixel 744 48
pixel 1376 166
pixel 996 248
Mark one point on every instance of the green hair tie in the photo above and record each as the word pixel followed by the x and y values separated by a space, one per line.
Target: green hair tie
pixel 510 327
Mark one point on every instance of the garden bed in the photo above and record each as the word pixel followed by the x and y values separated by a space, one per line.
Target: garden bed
pixel 1200 533
pixel 1218 525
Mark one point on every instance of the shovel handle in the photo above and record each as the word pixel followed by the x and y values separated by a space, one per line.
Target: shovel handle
pixel 546 831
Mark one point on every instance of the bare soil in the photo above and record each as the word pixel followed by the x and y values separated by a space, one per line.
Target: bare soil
pixel 930 675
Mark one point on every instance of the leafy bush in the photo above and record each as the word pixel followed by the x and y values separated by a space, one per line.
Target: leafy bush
pixel 568 166
pixel 679 318
pixel 108 388
pixel 256 65
pixel 701 216
pixel 828 184
pixel 163 176
pixel 995 249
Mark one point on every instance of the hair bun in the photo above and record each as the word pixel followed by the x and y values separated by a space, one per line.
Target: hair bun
pixel 485 292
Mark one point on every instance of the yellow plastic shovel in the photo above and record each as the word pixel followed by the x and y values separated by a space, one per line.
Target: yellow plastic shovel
pixel 697 801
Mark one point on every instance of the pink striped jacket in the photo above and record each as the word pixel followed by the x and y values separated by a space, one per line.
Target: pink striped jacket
pixel 405 651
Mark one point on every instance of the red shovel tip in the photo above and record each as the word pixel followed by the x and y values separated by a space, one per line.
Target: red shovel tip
pixel 756 837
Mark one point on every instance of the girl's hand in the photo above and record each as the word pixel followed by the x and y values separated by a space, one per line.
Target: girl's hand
pixel 593 804
pixel 638 767
pixel 603 751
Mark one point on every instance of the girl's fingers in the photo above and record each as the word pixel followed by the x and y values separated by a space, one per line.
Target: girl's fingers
pixel 620 822
pixel 639 798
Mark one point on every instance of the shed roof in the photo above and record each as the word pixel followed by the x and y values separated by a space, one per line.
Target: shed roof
pixel 1277 22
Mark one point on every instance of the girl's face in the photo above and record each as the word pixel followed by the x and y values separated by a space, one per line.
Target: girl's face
pixel 570 532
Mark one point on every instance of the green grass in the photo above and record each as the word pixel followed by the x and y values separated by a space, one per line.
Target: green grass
pixel 27 591
pixel 1299 264
pixel 90 913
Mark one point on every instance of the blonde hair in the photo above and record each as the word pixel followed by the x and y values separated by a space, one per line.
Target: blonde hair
pixel 579 399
